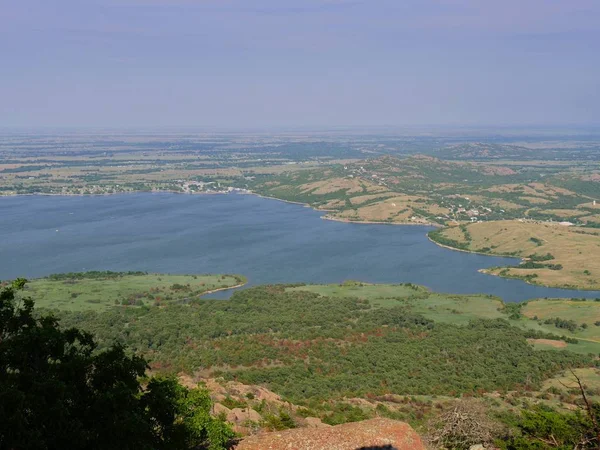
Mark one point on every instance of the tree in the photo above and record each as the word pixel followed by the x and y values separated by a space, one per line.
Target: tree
pixel 541 427
pixel 58 391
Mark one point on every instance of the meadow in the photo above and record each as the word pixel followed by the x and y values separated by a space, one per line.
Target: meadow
pixel 568 333
pixel 99 291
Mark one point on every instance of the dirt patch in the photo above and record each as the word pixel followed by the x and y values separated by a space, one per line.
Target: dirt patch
pixel 550 342
pixel 592 177
pixel 9 166
pixel 351 186
pixel 493 170
pixel 535 200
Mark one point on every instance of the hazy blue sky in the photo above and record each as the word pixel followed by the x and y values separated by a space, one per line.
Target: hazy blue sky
pixel 298 63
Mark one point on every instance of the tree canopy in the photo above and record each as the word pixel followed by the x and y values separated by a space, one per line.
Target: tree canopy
pixel 58 391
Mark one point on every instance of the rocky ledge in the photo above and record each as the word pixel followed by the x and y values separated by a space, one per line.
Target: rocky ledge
pixel 384 434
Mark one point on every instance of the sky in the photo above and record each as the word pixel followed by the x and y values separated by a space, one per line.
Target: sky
pixel 291 63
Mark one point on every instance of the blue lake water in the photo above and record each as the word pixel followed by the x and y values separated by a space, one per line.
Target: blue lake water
pixel 267 240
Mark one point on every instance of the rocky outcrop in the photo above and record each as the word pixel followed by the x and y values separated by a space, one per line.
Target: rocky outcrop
pixel 375 433
pixel 314 422
pixel 242 415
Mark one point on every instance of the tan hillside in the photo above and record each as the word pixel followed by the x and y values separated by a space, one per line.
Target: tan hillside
pixel 576 249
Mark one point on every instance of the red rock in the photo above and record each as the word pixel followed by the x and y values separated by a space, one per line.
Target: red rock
pixel 349 436
pixel 241 415
pixel 314 422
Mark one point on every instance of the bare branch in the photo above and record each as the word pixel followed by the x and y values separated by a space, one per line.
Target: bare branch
pixel 590 410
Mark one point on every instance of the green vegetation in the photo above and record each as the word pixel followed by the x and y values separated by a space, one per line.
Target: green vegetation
pixel 58 391
pixel 536 241
pixel 309 346
pixel 576 318
pixel 541 427
pixel 102 290
pixel 405 351
pixel 447 308
pixel 573 324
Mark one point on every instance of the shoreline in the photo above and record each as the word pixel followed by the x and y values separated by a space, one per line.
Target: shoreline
pixel 306 205
pixel 212 291
pixel 475 252
pixel 107 194
pixel 370 222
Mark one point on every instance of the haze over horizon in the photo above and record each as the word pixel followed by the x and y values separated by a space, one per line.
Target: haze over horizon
pixel 325 63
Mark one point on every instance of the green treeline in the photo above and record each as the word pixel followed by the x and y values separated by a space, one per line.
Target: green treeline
pixel 438 236
pixel 93 274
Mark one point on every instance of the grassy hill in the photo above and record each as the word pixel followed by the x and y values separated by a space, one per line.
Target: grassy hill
pixel 556 255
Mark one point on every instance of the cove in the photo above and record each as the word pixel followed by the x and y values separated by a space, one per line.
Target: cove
pixel 268 241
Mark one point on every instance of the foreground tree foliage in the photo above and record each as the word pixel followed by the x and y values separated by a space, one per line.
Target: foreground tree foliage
pixel 541 427
pixel 57 392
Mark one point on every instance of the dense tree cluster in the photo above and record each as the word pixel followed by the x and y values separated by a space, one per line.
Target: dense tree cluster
pixel 307 346
pixel 93 274
pixel 57 392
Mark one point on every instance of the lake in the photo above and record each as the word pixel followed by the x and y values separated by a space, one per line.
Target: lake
pixel 267 240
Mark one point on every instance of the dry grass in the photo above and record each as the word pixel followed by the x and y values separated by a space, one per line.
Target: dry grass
pixel 547 343
pixel 365 198
pixel 350 185
pixel 575 248
pixel 552 191
pixel 590 205
pixel 333 204
pixel 592 218
pixel 535 200
pixel 589 376
pixel 564 212
pixel 581 312
pixel 535 190
pixel 504 204
pixel 396 209
pixel 10 166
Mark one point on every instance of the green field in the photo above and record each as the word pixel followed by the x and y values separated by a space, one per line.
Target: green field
pixel 564 381
pixel 447 308
pixel 580 316
pixel 102 290
pixel 460 309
